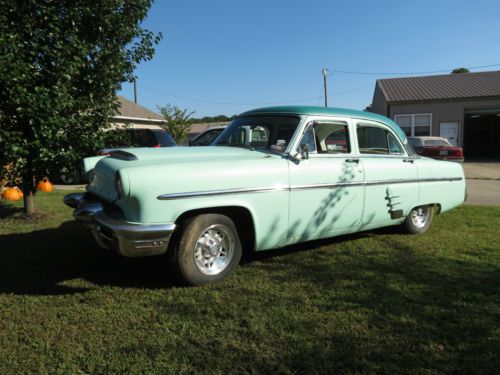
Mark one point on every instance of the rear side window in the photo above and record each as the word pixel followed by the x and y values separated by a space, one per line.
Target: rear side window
pixel 377 141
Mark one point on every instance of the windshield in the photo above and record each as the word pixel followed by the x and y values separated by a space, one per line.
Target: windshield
pixel 265 132
pixel 436 142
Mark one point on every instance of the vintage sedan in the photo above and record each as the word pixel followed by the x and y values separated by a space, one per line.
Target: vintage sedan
pixel 276 176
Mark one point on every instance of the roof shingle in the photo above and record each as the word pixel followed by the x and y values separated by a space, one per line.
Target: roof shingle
pixel 130 109
pixel 450 86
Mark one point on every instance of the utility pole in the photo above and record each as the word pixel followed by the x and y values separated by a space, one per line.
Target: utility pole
pixel 326 88
pixel 135 90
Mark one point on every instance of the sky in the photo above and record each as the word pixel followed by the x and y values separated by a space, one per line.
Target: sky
pixel 226 57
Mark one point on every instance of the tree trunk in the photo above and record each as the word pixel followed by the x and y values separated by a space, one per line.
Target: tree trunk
pixel 29 190
pixel 29 203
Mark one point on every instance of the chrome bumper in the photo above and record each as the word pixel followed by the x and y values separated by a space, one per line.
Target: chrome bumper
pixel 128 239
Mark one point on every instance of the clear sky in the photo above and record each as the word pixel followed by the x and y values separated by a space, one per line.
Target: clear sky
pixel 228 56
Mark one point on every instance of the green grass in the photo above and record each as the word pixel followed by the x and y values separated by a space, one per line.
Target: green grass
pixel 375 302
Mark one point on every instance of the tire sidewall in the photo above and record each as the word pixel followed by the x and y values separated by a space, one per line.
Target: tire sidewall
pixel 411 228
pixel 191 231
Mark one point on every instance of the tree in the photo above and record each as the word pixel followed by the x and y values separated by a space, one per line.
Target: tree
pixel 460 70
pixel 177 121
pixel 61 64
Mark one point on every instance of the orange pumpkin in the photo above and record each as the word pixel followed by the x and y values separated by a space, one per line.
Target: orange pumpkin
pixel 45 185
pixel 12 194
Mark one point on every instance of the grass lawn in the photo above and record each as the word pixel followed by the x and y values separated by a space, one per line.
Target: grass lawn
pixel 377 301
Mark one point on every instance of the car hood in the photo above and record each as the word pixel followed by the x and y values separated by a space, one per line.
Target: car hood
pixel 184 154
pixel 178 169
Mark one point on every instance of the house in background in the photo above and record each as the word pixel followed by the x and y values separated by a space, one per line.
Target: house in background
pixel 464 107
pixel 136 116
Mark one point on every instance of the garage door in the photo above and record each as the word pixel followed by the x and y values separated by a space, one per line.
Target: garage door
pixel 482 134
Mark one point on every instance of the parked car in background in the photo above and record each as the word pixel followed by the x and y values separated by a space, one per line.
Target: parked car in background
pixel 275 177
pixel 126 138
pixel 437 148
pixel 119 139
pixel 206 137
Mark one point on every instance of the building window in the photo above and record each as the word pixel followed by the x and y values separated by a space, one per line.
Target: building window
pixel 415 125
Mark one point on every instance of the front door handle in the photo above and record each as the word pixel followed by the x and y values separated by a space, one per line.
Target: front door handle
pixel 352 161
pixel 408 161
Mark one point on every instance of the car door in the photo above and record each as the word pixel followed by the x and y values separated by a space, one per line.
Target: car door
pixel 326 189
pixel 391 176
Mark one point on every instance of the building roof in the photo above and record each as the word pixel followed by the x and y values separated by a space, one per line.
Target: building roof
pixel 129 110
pixel 328 111
pixel 449 86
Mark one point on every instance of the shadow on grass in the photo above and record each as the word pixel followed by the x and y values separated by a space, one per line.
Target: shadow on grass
pixel 7 211
pixel 430 312
pixel 42 262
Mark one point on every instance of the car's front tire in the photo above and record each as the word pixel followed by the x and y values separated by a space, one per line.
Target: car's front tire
pixel 419 219
pixel 208 249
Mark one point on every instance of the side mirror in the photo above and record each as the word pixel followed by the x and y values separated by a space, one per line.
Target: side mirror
pixel 304 151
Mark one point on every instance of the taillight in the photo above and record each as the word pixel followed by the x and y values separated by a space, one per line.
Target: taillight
pixel 156 146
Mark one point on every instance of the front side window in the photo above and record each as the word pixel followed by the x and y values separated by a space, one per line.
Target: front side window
pixel 333 138
pixel 261 132
pixel 327 138
pixel 377 141
pixel 309 139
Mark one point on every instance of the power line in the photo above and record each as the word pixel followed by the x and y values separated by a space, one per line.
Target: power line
pixel 198 100
pixel 332 71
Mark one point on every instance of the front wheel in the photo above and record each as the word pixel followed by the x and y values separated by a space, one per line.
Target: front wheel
pixel 419 219
pixel 208 249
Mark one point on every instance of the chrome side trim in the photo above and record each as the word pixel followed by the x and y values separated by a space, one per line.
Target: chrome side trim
pixel 412 180
pixel 208 193
pixel 327 186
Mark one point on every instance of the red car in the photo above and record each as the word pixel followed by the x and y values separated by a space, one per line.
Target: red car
pixel 437 148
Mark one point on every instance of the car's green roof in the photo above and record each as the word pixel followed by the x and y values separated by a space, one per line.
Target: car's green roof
pixel 329 111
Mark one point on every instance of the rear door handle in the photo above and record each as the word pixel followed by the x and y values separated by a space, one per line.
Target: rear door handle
pixel 352 161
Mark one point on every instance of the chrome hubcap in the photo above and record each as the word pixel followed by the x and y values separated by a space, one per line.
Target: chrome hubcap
pixel 420 216
pixel 214 249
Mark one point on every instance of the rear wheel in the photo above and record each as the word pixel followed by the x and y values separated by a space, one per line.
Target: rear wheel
pixel 208 249
pixel 419 219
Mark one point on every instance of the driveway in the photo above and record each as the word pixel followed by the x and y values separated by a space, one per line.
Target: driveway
pixel 483 182
pixel 482 170
pixel 483 192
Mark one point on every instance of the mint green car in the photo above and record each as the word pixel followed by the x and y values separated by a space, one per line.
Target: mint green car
pixel 276 176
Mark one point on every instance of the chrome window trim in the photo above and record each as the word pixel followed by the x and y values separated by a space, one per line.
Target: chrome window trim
pixel 197 194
